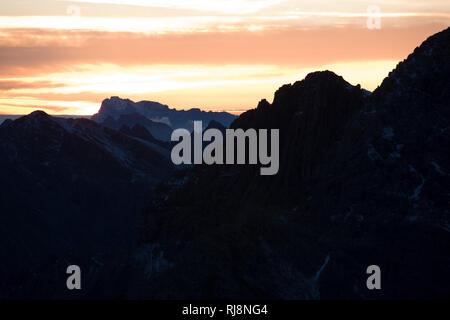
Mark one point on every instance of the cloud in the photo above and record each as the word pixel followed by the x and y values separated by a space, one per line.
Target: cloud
pixel 23 105
pixel 341 14
pixel 222 6
pixel 17 108
pixel 214 23
pixel 299 47
pixel 6 85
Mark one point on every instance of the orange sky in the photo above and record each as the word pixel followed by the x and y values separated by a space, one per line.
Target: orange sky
pixel 65 57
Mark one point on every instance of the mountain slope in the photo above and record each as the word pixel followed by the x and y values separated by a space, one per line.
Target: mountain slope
pixel 363 180
pixel 70 190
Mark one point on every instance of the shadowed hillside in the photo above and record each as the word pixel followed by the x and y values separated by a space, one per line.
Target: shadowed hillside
pixel 364 179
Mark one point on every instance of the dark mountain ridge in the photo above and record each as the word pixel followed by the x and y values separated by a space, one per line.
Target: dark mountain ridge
pixel 363 180
pixel 70 190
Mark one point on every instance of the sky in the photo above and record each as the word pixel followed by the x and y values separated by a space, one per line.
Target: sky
pixel 65 57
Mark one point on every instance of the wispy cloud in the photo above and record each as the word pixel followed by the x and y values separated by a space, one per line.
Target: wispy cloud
pixel 44 51
pixel 24 105
pixel 340 14
pixel 143 25
pixel 223 23
pixel 221 6
pixel 12 84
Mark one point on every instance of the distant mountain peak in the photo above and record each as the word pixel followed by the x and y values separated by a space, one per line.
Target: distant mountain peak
pixel 318 85
pixel 36 119
pixel 38 114
pixel 158 119
pixel 323 75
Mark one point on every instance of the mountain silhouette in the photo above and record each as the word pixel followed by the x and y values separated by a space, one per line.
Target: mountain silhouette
pixel 70 189
pixel 363 180
pixel 159 119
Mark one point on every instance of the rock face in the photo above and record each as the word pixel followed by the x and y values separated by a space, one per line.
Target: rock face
pixel 70 191
pixel 363 180
pixel 159 119
pixel 312 116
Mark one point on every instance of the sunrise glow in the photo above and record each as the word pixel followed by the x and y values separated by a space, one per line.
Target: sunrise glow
pixel 65 57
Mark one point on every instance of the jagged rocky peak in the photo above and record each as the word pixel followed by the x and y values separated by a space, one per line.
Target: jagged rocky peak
pixel 321 95
pixel 318 86
pixel 426 69
pixel 116 103
pixel 263 104
pixel 413 101
pixel 114 107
